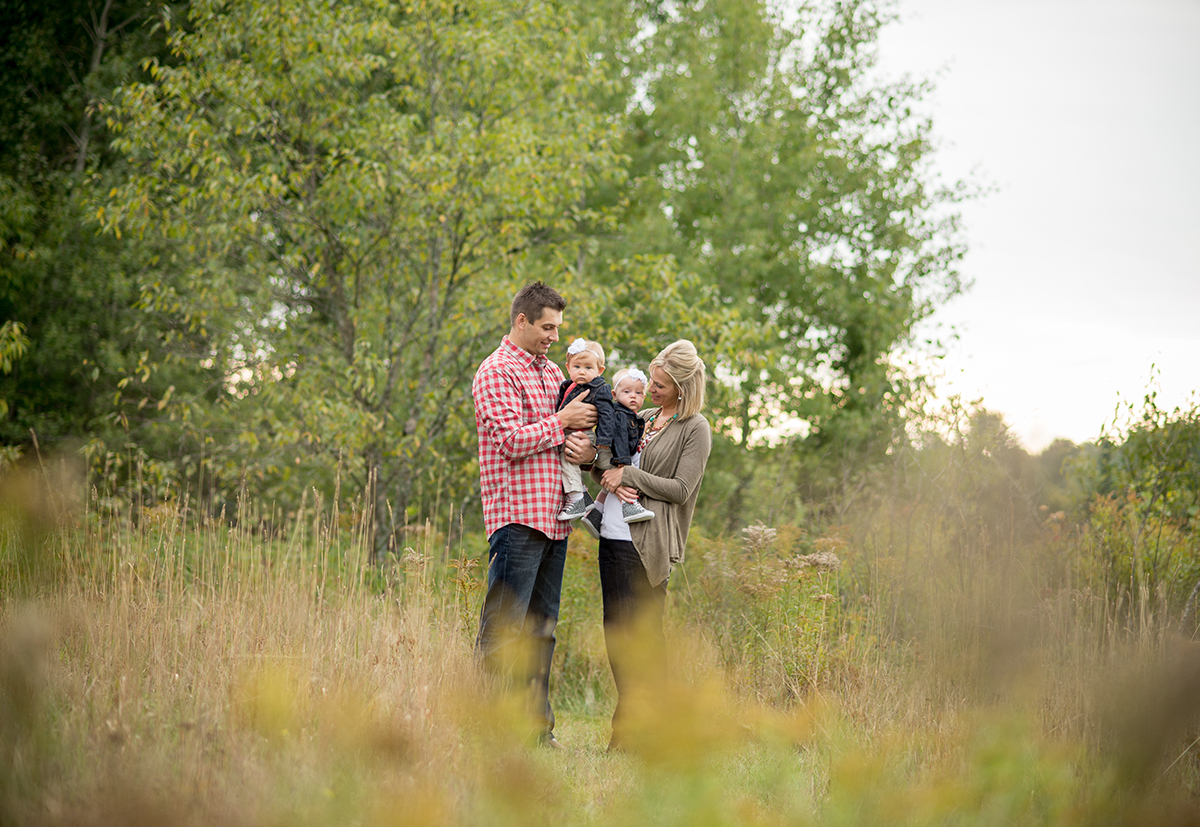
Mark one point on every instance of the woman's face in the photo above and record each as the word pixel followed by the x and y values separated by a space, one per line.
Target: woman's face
pixel 663 392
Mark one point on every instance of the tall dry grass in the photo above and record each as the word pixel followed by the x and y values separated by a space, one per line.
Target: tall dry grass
pixel 161 666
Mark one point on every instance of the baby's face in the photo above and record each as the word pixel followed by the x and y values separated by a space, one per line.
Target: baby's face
pixel 631 393
pixel 583 367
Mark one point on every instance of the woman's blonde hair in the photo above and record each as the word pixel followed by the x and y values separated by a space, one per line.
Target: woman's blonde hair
pixel 680 361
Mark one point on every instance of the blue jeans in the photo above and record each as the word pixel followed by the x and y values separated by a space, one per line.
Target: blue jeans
pixel 633 626
pixel 520 611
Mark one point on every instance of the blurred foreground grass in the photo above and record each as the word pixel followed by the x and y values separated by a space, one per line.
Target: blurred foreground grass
pixel 161 668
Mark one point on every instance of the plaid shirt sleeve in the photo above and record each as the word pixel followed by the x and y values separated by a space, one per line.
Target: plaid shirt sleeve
pixel 519 473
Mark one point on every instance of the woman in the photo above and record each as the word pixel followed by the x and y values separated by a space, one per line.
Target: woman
pixel 636 558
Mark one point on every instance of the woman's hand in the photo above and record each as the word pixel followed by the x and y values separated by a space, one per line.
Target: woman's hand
pixel 612 478
pixel 578 448
pixel 626 494
pixel 611 481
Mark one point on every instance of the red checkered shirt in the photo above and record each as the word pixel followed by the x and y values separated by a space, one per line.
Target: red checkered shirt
pixel 519 473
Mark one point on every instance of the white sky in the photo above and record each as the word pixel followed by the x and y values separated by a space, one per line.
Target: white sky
pixel 1085 117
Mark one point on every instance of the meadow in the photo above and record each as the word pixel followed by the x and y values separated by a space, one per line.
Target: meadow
pixel 922 661
pixel 268 256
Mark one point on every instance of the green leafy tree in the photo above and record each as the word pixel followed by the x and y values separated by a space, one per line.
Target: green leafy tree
pixel 792 189
pixel 71 292
pixel 348 196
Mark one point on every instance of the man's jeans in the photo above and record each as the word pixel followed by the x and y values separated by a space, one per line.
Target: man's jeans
pixel 520 611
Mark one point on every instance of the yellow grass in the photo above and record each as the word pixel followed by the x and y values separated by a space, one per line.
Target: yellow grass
pixel 160 670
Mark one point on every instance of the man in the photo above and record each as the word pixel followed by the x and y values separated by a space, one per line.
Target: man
pixel 521 483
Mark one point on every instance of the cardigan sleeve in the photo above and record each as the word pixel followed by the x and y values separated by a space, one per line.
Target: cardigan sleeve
pixel 693 456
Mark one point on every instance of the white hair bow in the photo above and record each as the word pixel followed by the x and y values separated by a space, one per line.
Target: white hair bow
pixel 577 346
pixel 636 373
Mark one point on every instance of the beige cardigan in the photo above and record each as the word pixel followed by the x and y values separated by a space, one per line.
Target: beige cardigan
pixel 669 476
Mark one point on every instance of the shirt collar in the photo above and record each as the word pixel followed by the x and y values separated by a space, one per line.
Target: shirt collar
pixel 522 355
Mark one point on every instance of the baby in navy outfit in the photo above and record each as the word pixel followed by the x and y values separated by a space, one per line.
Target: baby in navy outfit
pixel 617 428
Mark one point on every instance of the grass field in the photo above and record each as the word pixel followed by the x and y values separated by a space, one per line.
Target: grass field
pixel 160 670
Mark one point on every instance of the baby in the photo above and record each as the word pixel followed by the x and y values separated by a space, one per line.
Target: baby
pixel 615 438
pixel 585 367
pixel 629 391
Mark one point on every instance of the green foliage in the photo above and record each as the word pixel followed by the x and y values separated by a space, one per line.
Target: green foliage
pixel 13 344
pixel 766 160
pixel 317 215
pixel 73 293
pixel 1136 561
pixel 1140 507
pixel 1155 455
pixel 948 548
pixel 768 605
pixel 348 195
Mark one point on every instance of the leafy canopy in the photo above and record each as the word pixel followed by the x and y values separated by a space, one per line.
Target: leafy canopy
pixel 349 193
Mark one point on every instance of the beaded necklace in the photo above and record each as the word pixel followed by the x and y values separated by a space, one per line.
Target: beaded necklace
pixel 649 433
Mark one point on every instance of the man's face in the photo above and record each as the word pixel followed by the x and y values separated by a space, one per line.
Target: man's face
pixel 537 336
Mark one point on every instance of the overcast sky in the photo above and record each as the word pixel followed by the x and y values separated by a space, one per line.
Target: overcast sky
pixel 1085 117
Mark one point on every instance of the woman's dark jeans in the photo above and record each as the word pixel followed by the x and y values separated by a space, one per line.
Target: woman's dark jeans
pixel 633 625
pixel 520 612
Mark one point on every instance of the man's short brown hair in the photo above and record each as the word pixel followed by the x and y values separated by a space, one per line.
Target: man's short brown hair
pixel 532 299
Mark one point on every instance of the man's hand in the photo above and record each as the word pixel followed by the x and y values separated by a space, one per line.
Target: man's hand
pixel 579 449
pixel 578 415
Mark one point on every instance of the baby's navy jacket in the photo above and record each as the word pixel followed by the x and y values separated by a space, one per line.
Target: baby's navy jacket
pixel 599 394
pixel 629 430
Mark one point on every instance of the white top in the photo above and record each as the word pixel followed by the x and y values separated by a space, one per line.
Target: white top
pixel 612 520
